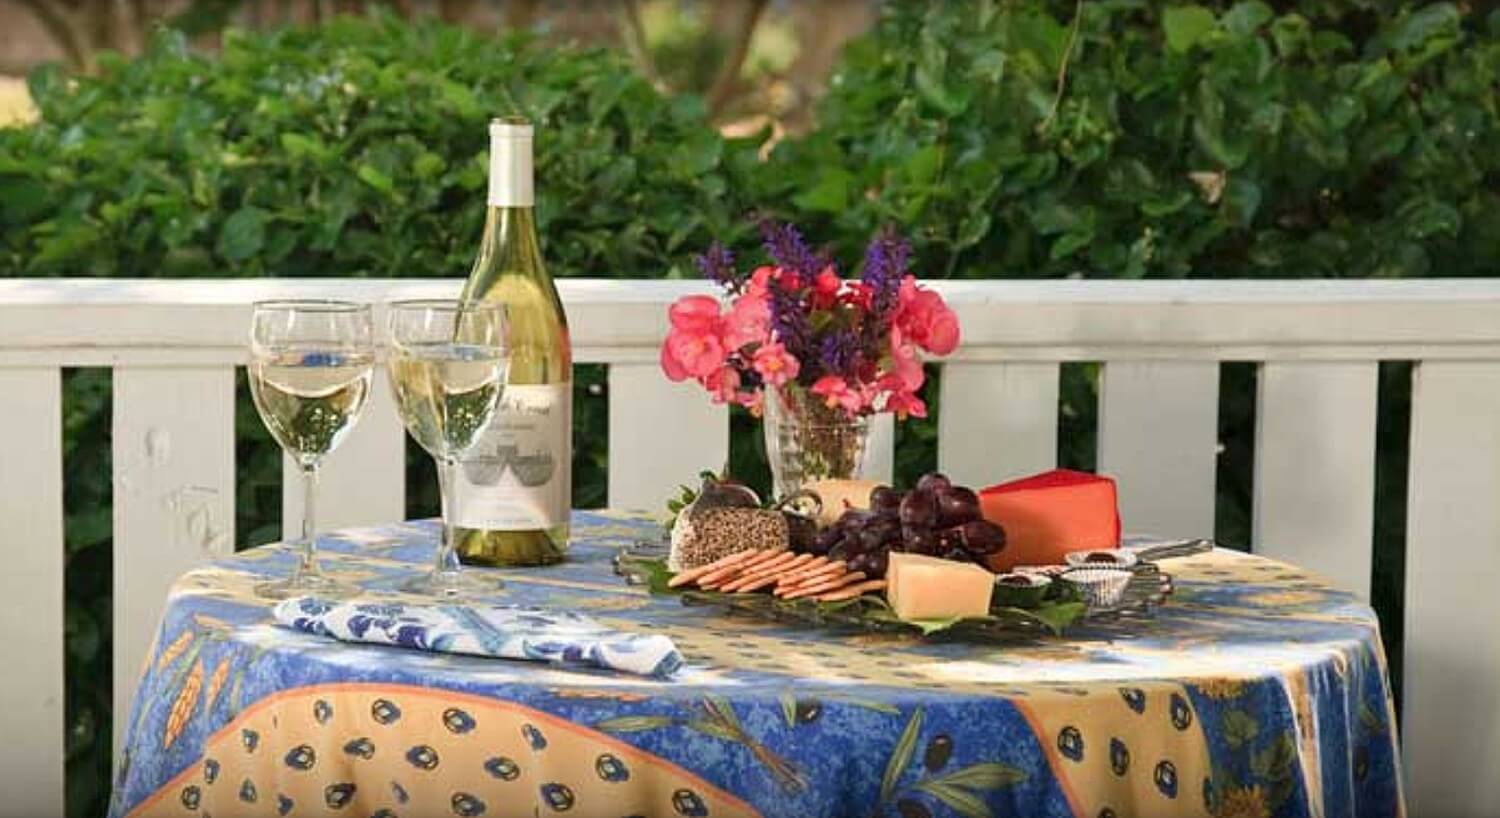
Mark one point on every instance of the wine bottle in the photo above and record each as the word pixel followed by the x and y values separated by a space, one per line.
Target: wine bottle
pixel 516 484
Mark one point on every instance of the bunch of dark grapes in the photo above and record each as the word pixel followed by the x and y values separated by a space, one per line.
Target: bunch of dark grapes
pixel 936 518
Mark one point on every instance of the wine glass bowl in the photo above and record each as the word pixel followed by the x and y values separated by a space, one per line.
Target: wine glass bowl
pixel 311 364
pixel 448 364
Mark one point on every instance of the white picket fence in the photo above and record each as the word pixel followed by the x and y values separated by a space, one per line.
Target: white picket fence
pixel 173 346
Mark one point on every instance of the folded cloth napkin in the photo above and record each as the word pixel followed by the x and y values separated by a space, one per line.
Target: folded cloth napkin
pixel 501 631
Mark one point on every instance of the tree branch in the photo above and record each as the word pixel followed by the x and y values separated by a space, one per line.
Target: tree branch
pixel 635 42
pixel 729 72
pixel 1062 70
pixel 65 29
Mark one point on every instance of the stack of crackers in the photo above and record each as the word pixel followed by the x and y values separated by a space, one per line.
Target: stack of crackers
pixel 787 575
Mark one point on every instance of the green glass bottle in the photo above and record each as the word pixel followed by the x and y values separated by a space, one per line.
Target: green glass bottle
pixel 516 488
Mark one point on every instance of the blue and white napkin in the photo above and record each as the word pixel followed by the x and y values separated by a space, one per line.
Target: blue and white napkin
pixel 501 631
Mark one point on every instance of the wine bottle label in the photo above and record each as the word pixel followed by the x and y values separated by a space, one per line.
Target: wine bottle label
pixel 511 182
pixel 519 476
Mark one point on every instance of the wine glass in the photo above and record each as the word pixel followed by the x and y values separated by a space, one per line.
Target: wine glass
pixel 311 363
pixel 448 364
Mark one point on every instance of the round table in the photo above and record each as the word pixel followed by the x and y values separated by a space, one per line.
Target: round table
pixel 1257 691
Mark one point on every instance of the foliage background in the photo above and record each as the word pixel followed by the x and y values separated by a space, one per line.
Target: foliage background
pixel 1105 138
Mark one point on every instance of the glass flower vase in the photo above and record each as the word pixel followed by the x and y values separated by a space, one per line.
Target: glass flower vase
pixel 806 441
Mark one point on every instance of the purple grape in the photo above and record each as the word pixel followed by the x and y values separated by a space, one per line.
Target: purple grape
pixel 885 498
pixel 958 555
pixel 933 481
pixel 855 518
pixel 873 539
pixel 921 541
pixel 949 539
pixel 919 509
pixel 982 537
pixel 956 505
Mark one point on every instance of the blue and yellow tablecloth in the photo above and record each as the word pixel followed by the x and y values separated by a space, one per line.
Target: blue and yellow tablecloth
pixel 1258 691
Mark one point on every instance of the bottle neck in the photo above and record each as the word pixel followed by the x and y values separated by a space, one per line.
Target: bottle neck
pixel 511 241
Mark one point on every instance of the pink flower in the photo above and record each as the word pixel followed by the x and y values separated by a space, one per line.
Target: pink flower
pixel 835 392
pixel 925 318
pixel 748 320
pixel 692 348
pixel 754 401
pixel 825 290
pixel 692 354
pixel 760 280
pixel 723 385
pixel 905 366
pixel 775 365
pixel 905 404
pixel 694 313
pixel 673 368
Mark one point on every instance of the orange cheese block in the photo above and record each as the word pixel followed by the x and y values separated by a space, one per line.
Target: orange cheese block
pixel 1047 515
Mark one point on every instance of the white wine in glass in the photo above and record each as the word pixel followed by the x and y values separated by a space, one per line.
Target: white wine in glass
pixel 311 363
pixel 448 363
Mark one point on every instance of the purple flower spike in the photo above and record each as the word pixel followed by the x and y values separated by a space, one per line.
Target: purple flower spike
pixel 885 265
pixel 717 264
pixel 785 247
pixel 838 352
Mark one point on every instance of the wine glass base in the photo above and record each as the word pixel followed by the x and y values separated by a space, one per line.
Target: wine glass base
pixel 306 585
pixel 450 585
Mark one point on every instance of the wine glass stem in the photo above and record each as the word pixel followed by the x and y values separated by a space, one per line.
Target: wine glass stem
pixel 447 553
pixel 309 564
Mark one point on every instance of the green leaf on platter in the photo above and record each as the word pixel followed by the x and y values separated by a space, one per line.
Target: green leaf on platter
pixel 1370 720
pixel 931 626
pixel 789 709
pixel 633 724
pixel 1239 728
pixel 654 573
pixel 989 775
pixel 1056 616
pixel 959 800
pixel 901 755
pixel 1185 26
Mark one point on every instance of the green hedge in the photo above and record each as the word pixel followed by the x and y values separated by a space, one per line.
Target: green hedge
pixel 1305 138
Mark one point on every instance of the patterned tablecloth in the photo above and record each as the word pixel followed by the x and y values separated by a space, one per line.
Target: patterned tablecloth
pixel 1258 691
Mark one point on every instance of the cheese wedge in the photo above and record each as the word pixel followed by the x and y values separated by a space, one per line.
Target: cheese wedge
pixel 922 587
pixel 839 496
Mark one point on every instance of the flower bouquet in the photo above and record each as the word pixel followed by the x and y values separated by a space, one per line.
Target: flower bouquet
pixel 814 352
